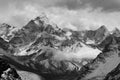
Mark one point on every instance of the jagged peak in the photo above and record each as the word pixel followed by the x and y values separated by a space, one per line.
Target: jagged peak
pixel 42 18
pixel 103 27
pixel 116 32
pixel 8 26
pixel 5 25
pixel 42 21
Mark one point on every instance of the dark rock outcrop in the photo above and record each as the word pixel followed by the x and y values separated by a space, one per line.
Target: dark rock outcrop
pixel 6 72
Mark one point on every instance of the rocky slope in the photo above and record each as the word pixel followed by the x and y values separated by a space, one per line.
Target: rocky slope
pixel 6 72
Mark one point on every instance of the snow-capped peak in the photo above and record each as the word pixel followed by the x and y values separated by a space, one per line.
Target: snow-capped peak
pixel 43 18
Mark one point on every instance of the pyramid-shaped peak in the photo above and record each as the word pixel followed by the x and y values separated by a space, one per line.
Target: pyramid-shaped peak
pixel 116 32
pixel 103 27
pixel 43 17
pixel 37 18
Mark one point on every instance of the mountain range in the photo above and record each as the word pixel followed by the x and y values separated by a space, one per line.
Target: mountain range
pixel 55 53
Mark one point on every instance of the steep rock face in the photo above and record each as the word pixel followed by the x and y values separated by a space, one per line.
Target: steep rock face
pixel 32 30
pixel 107 40
pixel 116 32
pixel 6 31
pixel 104 63
pixel 115 73
pixel 97 36
pixel 25 35
pixel 3 44
pixel 37 31
pixel 6 72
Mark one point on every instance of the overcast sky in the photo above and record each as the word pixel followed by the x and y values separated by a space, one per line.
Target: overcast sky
pixel 74 14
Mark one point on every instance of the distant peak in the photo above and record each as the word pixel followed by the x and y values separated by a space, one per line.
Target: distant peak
pixel 103 27
pixel 5 25
pixel 116 32
pixel 43 17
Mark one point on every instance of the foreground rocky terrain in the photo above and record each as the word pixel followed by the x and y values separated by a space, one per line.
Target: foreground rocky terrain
pixel 7 72
pixel 51 53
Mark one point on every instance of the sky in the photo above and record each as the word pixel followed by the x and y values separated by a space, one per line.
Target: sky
pixel 73 14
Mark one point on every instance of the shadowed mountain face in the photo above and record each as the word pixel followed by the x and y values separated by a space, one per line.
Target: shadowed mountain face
pixel 61 54
pixel 6 72
pixel 104 63
pixel 32 31
pixel 98 35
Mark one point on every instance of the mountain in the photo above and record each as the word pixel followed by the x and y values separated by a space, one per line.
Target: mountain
pixel 116 32
pixel 96 36
pixel 33 29
pixel 104 63
pixel 6 31
pixel 39 33
pixel 45 49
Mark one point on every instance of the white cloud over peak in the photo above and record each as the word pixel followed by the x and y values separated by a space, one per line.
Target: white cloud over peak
pixel 77 16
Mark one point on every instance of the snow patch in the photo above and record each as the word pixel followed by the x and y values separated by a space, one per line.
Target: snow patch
pixel 80 53
pixel 90 42
pixel 85 52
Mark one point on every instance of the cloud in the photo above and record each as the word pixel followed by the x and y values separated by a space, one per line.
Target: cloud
pixel 106 5
pixel 77 53
pixel 70 4
pixel 74 14
pixel 85 18
pixel 18 17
